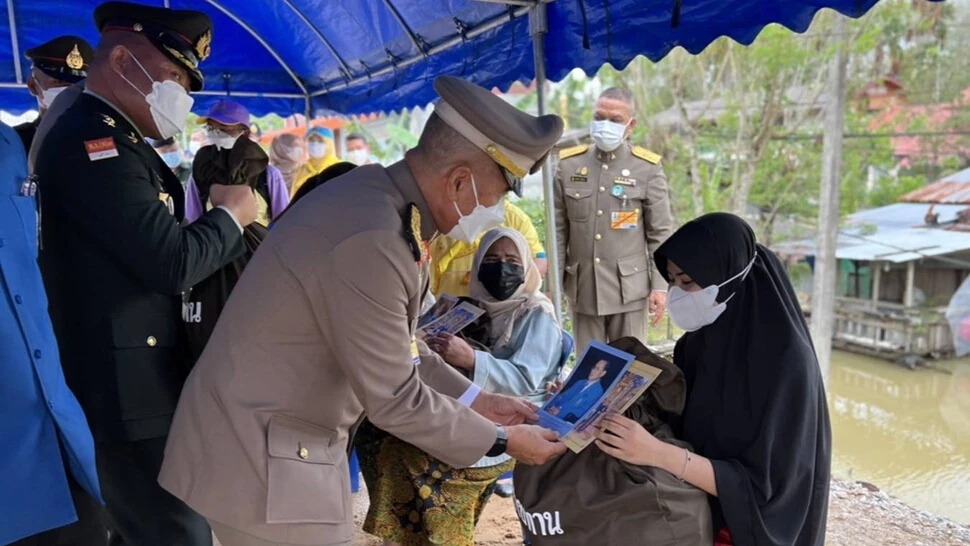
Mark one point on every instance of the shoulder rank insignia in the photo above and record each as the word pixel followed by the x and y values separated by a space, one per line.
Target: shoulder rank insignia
pixel 108 120
pixel 132 138
pixel 646 155
pixel 419 248
pixel 573 151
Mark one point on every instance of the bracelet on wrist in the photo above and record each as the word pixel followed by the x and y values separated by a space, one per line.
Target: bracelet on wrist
pixel 686 464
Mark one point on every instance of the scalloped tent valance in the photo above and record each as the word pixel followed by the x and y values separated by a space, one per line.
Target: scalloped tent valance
pixel 288 56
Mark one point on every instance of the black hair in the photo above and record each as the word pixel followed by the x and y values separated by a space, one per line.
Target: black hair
pixel 621 94
pixel 356 136
pixel 170 141
pixel 319 179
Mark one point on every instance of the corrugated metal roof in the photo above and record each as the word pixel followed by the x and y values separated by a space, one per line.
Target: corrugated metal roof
pixel 902 245
pixel 954 188
pixel 894 245
pixel 900 215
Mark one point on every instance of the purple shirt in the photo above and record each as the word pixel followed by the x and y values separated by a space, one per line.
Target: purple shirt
pixel 278 194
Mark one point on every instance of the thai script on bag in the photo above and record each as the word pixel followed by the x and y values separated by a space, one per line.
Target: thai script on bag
pixel 539 523
pixel 192 311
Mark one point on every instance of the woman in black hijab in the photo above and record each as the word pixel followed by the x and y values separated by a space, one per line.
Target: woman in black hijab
pixel 756 411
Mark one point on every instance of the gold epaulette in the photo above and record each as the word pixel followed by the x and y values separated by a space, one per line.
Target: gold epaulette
pixel 573 151
pixel 646 155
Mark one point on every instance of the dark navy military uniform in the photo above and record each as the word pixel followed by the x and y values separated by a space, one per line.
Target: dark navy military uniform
pixel 115 262
pixel 26 131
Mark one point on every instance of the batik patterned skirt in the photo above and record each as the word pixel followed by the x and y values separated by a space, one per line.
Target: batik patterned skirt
pixel 417 500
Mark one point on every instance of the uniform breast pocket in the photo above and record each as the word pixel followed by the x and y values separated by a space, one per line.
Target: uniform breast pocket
pixel 307 476
pixel 25 211
pixel 148 359
pixel 579 203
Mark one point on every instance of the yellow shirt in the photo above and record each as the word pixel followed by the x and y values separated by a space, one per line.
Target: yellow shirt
pixel 262 209
pixel 451 260
pixel 312 167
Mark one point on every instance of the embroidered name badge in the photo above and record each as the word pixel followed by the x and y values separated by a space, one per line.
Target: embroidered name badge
pixel 102 148
pixel 624 219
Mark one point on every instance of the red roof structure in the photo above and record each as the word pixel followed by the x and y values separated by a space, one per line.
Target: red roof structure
pixel 900 117
pixel 953 189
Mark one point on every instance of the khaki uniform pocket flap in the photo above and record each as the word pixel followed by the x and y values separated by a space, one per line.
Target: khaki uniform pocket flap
pixel 632 265
pixel 291 438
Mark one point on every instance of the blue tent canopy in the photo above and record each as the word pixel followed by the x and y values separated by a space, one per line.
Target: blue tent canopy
pixel 356 56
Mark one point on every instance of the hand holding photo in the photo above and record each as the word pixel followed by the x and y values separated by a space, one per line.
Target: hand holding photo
pixel 627 390
pixel 593 377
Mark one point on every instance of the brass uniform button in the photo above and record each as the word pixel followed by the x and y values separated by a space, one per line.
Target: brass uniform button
pixel 304 453
pixel 576 195
pixel 602 189
pixel 596 261
pixel 598 237
pixel 151 341
pixel 599 213
pixel 606 167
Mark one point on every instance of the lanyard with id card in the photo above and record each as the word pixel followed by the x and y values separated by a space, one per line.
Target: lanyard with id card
pixel 626 218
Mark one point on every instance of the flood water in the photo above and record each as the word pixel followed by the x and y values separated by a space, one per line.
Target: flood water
pixel 907 432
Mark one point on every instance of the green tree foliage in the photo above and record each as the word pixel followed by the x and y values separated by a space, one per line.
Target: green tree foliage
pixel 740 128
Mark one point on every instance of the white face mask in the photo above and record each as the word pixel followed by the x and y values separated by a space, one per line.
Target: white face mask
pixel 692 311
pixel 316 150
pixel 222 140
pixel 481 219
pixel 607 135
pixel 169 102
pixel 358 156
pixel 47 96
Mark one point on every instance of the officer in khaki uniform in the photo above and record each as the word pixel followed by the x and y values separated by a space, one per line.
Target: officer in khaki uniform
pixel 320 330
pixel 612 212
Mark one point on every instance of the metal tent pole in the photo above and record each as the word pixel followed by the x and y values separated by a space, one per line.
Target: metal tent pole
pixel 538 26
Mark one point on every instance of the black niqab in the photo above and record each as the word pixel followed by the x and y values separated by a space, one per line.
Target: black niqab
pixel 755 401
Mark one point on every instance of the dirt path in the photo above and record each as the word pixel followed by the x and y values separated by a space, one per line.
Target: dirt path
pixel 858 516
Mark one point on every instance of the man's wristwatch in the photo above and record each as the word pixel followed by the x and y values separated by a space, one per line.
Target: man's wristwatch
pixel 501 442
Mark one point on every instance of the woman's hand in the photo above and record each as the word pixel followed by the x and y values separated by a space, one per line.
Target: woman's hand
pixel 627 440
pixel 454 350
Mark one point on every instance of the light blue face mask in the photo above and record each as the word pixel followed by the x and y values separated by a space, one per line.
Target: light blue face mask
pixel 172 159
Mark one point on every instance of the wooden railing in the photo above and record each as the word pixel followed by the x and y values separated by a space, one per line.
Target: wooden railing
pixel 888 329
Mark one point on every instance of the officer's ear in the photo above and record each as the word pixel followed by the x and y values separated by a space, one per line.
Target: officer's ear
pixel 458 178
pixel 33 87
pixel 630 127
pixel 118 59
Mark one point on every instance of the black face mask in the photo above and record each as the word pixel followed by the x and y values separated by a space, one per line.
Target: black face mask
pixel 501 279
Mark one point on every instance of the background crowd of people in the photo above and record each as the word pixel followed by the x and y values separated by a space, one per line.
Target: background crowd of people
pixel 217 330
